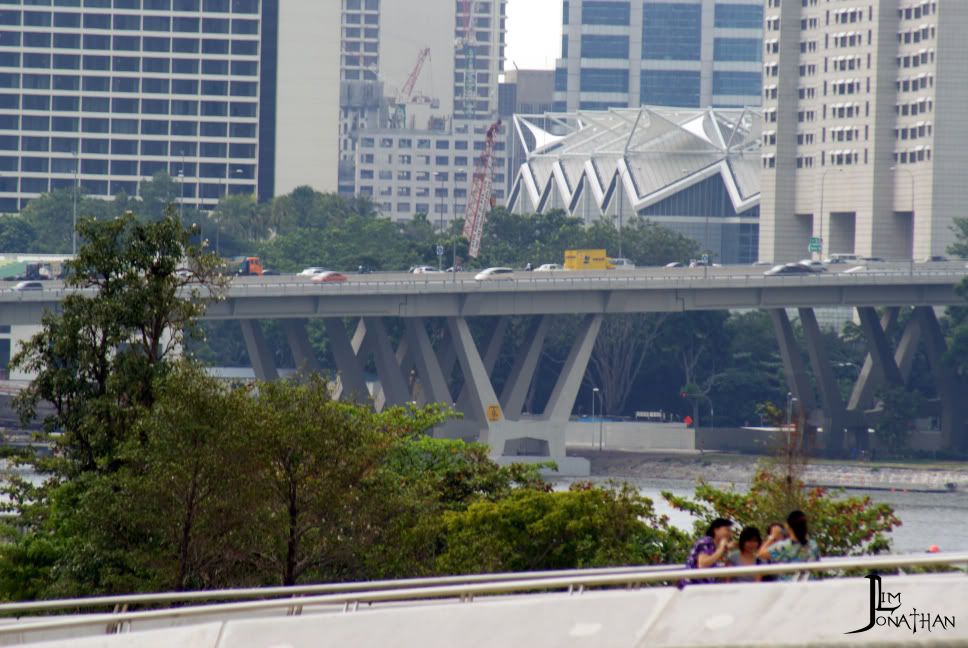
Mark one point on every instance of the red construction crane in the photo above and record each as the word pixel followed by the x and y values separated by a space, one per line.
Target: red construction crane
pixel 481 203
pixel 403 98
pixel 407 89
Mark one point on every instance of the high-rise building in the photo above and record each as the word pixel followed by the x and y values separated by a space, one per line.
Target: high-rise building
pixel 681 53
pixel 418 91
pixel 865 142
pixel 108 94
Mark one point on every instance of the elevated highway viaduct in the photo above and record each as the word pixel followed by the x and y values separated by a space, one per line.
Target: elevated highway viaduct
pixel 434 357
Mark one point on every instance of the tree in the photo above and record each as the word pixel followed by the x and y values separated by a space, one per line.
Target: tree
pixel 900 407
pixel 319 457
pixel 16 234
pixel 841 526
pixel 586 526
pixel 624 343
pixel 156 195
pixel 698 340
pixel 97 361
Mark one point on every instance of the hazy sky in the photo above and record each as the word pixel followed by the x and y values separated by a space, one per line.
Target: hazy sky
pixel 534 34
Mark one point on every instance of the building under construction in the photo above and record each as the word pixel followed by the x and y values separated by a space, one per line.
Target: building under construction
pixel 419 97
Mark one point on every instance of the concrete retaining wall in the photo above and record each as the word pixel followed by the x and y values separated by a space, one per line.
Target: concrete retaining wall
pixel 622 435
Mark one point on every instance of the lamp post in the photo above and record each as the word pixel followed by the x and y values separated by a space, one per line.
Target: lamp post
pixel 601 418
pixel 439 175
pixel 181 188
pixel 594 393
pixel 911 176
pixel 621 208
pixel 823 180
pixel 77 163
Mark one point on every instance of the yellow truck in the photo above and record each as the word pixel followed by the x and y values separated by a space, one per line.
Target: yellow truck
pixel 587 260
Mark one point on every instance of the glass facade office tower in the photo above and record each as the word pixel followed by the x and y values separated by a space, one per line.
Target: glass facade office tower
pixel 108 93
pixel 683 53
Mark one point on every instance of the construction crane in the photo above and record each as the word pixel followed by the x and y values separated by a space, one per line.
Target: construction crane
pixel 464 44
pixel 403 97
pixel 481 201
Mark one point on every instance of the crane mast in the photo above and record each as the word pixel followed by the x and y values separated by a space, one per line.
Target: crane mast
pixel 480 203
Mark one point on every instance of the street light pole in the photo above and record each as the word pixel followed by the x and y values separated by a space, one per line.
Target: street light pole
pixel 440 189
pixel 77 162
pixel 601 417
pixel 621 209
pixel 594 392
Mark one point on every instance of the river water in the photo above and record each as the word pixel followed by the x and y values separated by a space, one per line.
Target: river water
pixel 927 518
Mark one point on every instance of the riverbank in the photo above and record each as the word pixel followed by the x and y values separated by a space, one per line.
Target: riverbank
pixel 738 469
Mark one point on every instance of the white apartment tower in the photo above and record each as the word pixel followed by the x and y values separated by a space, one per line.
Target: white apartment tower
pixel 865 145
pixel 419 88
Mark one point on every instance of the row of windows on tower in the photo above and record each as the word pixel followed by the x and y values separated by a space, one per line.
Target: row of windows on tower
pixel 72 41
pixel 129 22
pixel 30 146
pixel 216 6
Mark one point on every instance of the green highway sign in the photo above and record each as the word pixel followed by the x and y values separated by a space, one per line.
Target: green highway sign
pixel 816 245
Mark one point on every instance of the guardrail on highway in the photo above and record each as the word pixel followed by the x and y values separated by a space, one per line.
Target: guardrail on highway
pixel 425 590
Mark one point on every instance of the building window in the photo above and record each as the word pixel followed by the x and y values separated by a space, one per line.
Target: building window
pixel 739 16
pixel 605 13
pixel 670 88
pixel 606 47
pixel 597 80
pixel 737 83
pixel 672 31
pixel 737 49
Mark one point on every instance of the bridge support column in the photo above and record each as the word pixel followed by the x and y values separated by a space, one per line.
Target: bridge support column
pixel 796 374
pixel 491 355
pixel 302 350
pixel 879 368
pixel 518 384
pixel 563 397
pixel 392 383
pixel 351 384
pixel 834 412
pixel 259 353
pixel 433 386
pixel 951 390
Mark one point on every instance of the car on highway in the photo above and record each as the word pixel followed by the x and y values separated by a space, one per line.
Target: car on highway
pixel 813 264
pixel 29 285
pixel 789 269
pixel 329 276
pixel 840 258
pixel 424 270
pixel 495 274
pixel 934 259
pixel 622 264
pixel 312 272
pixel 676 264
pixel 548 267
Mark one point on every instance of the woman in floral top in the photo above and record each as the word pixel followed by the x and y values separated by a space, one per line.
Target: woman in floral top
pixel 710 550
pixel 798 548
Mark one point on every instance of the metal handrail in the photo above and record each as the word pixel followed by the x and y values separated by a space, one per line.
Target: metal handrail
pixel 303 590
pixel 467 592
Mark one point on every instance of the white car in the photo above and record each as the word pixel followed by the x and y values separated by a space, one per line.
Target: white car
pixel 495 274
pixel 29 285
pixel 312 272
pixel 424 270
pixel 548 267
pixel 622 264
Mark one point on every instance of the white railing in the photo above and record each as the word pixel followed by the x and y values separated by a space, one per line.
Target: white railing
pixel 297 599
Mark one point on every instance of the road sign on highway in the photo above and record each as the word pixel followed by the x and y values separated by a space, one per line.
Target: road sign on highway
pixel 816 244
pixel 440 250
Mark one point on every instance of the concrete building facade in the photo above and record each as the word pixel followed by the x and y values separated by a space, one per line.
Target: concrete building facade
pixel 419 89
pixel 864 144
pixel 106 95
pixel 306 110
pixel 682 53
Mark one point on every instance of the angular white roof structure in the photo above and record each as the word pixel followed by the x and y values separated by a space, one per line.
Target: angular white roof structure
pixel 653 153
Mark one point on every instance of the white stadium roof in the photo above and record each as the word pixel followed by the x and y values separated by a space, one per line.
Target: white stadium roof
pixel 653 152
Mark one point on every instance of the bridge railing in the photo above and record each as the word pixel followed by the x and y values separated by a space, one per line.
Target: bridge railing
pixel 300 600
